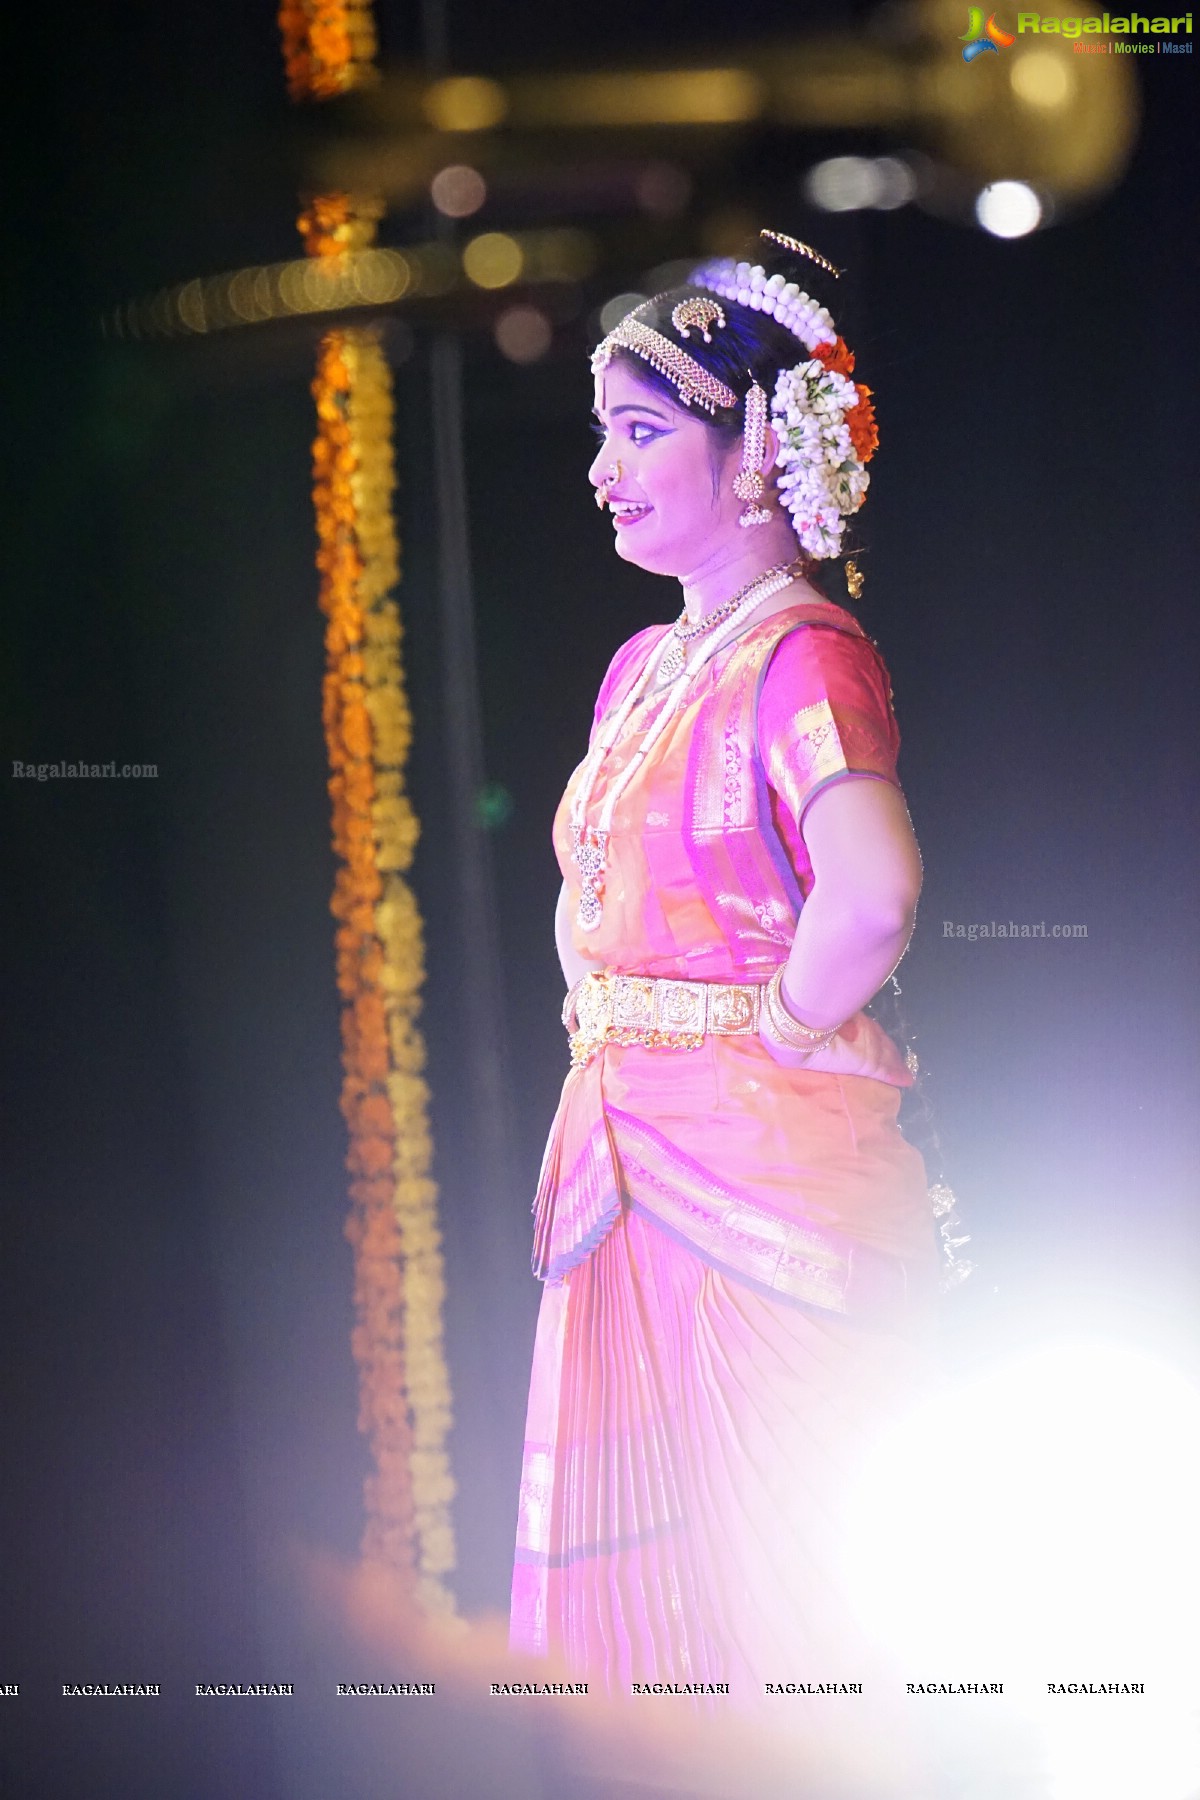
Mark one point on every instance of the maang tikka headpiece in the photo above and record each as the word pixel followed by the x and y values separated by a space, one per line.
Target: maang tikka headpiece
pixel 693 382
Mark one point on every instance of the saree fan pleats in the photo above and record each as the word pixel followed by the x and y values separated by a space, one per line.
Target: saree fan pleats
pixel 707 1376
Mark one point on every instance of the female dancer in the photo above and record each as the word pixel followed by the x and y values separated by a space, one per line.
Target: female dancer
pixel 736 1242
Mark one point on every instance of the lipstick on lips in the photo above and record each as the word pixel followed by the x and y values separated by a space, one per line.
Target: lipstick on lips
pixel 626 513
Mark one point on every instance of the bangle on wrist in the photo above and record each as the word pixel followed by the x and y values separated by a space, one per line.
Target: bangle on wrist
pixel 568 1011
pixel 784 1029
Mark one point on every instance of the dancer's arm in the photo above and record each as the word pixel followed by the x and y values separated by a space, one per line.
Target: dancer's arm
pixel 857 921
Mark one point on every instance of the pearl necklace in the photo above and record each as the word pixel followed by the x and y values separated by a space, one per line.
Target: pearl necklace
pixel 589 845
pixel 672 664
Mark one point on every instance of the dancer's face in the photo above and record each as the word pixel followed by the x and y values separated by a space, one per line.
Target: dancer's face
pixel 673 505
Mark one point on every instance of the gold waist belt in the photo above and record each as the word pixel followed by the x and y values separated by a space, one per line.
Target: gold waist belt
pixel 657 1011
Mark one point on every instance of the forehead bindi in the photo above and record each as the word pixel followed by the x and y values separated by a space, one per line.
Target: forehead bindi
pixel 619 394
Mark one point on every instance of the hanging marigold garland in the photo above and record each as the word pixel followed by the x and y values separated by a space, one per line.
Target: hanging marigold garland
pixel 380 949
pixel 399 1285
pixel 399 1288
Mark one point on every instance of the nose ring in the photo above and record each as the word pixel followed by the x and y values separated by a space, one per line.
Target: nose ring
pixel 612 477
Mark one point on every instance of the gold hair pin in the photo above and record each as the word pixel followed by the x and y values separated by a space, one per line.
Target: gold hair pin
pixel 794 244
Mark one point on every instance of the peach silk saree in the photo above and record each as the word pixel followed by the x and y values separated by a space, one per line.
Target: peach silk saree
pixel 739 1259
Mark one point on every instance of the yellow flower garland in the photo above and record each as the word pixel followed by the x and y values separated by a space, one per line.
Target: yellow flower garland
pixel 404 1386
pixel 399 1283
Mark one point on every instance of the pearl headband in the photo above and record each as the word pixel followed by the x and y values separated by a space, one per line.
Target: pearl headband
pixel 694 383
pixel 750 285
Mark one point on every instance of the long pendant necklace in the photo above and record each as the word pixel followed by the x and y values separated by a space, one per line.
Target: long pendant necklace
pixel 589 844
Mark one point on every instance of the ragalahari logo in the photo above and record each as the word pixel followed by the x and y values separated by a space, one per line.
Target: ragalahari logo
pixel 984 37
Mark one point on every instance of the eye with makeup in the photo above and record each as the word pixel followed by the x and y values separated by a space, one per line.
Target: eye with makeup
pixel 638 433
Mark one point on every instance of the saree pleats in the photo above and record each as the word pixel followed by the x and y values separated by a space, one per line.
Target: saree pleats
pixel 703 1439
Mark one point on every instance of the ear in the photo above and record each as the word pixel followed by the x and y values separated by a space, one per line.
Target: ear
pixel 770 449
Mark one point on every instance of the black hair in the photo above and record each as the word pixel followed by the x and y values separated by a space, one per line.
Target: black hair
pixel 751 346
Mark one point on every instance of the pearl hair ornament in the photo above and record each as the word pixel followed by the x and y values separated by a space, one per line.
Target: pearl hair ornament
pixel 749 285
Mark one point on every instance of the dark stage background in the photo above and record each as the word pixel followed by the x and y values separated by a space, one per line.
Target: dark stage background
pixel 175 1290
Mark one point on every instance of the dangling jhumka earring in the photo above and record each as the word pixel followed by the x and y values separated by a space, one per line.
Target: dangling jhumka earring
pixel 602 491
pixel 748 483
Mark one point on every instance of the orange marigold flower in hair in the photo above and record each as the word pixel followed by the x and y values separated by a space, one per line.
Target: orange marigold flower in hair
pixel 837 356
pixel 860 422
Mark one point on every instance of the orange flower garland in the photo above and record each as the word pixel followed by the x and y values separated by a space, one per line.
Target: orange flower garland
pixel 328 46
pixel 334 223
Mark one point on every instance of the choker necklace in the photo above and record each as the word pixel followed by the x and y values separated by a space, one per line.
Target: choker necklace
pixel 673 662
pixel 589 844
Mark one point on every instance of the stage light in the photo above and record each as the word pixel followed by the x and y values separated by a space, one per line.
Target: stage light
pixel 1008 209
pixel 493 260
pixel 632 97
pixel 850 183
pixel 464 103
pixel 1039 1522
pixel 189 304
pixel 895 182
pixel 841 183
pixel 523 334
pixel 458 191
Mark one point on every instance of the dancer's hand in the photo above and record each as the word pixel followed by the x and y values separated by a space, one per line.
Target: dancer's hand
pixel 861 1047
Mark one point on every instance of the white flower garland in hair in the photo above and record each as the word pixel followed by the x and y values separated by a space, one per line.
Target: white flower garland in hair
pixel 823 481
pixel 750 285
